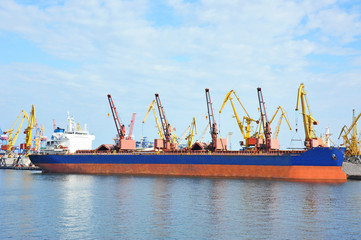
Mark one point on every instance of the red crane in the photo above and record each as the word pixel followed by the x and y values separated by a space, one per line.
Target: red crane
pixel 120 128
pixel 165 125
pixel 212 122
pixel 264 119
pixel 131 127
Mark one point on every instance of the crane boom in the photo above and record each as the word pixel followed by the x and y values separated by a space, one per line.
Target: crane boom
pixel 12 139
pixel 131 127
pixel 167 130
pixel 28 131
pixel 352 144
pixel 39 137
pixel 248 119
pixel 151 108
pixel 212 122
pixel 265 122
pixel 283 115
pixel 204 133
pixel 184 134
pixel 308 120
pixel 192 132
pixel 120 128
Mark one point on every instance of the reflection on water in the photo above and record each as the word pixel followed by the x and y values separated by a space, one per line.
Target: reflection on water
pixel 59 206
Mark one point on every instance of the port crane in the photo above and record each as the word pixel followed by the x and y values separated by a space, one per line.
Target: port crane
pixel 122 144
pixel 308 120
pixel 180 140
pixel 120 128
pixel 246 118
pixel 264 121
pixel 131 127
pixel 284 115
pixel 39 137
pixel 350 139
pixel 167 129
pixel 151 108
pixel 28 131
pixel 204 133
pixel 192 132
pixel 217 144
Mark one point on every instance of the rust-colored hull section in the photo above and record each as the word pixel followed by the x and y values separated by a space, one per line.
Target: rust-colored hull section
pixel 299 173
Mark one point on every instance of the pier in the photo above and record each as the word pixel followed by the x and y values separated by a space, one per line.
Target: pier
pixel 352 170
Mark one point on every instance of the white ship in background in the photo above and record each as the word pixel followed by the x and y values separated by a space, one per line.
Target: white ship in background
pixel 69 140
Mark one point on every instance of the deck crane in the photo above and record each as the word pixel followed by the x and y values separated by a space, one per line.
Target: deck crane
pixel 284 115
pixel 168 143
pixel 28 131
pixel 204 133
pixel 120 128
pixel 270 143
pixel 131 127
pixel 351 143
pixel 36 135
pixel 122 144
pixel 184 135
pixel 308 120
pixel 39 137
pixel 192 132
pixel 151 108
pixel 217 144
pixel 246 118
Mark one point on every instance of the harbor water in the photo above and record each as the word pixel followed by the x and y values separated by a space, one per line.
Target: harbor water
pixel 34 205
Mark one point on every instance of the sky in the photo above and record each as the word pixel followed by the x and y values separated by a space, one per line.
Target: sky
pixel 66 56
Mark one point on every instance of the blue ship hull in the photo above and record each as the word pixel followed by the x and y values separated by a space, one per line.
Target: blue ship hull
pixel 316 163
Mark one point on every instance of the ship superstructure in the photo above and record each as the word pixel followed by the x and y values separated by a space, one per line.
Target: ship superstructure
pixel 69 140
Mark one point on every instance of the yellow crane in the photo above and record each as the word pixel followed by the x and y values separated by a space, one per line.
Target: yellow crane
pixel 308 120
pixel 39 137
pixel 351 143
pixel 192 132
pixel 151 108
pixel 246 118
pixel 180 140
pixel 28 131
pixel 284 115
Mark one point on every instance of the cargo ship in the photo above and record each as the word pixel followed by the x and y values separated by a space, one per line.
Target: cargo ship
pixel 323 164
pixel 262 160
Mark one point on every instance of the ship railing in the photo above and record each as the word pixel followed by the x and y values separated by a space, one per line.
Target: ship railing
pixel 189 152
